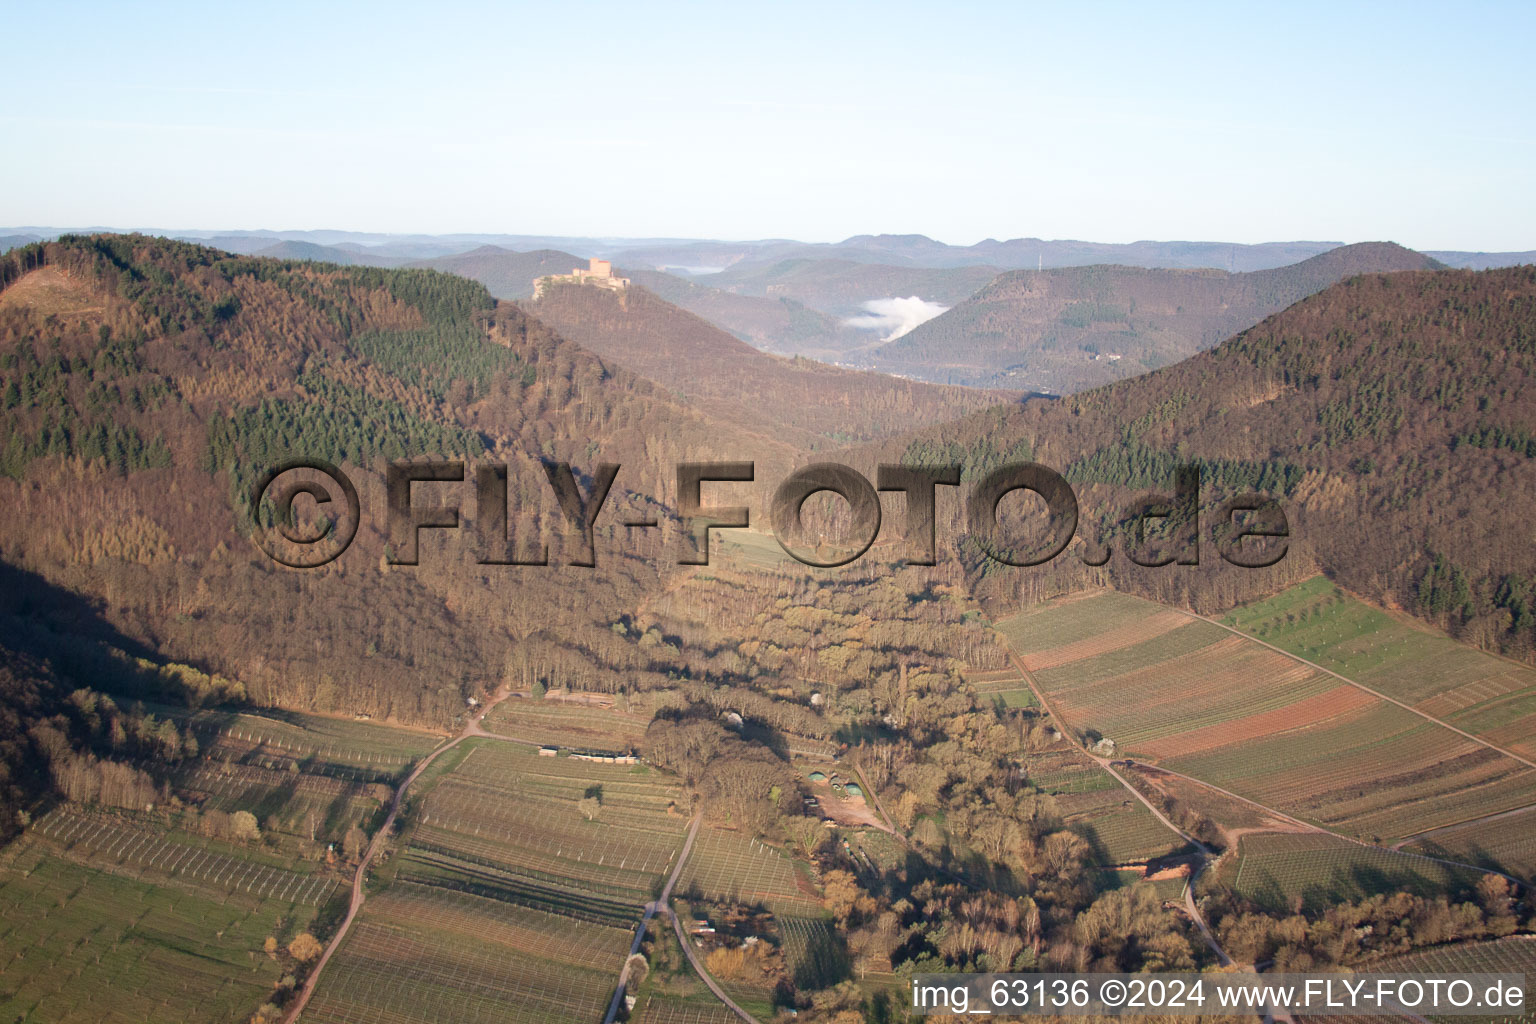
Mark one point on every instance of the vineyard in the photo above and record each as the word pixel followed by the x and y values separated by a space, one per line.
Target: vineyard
pixel 514 895
pixel 1316 871
pixel 1007 685
pixel 1486 695
pixel 565 724
pixel 299 803
pixel 727 866
pixel 1117 826
pixel 1200 700
pixel 1513 955
pixel 352 751
pixel 155 952
pixel 146 852
pixel 816 955
pixel 1508 843
pixel 663 1010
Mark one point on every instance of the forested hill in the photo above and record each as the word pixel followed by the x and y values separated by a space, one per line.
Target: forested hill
pixel 146 382
pixel 805 402
pixel 1069 329
pixel 505 274
pixel 1393 414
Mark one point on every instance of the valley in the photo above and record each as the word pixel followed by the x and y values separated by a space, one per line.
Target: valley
pixel 749 787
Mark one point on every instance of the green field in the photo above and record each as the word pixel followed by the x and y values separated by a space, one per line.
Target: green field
pixel 1314 871
pixel 86 943
pixel 1507 843
pixel 728 866
pixel 505 902
pixel 1204 701
pixel 1486 695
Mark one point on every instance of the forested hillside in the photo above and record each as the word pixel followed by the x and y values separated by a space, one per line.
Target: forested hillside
pixel 147 382
pixel 1069 329
pixel 773 323
pixel 1392 415
pixel 505 274
pixel 802 401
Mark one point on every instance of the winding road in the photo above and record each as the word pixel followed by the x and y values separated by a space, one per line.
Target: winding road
pixel 471 728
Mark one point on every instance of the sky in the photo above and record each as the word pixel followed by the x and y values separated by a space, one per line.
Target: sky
pixel 1235 122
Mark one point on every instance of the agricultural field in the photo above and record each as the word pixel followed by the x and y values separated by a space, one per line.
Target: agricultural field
pixel 300 804
pixel 672 993
pixel 514 894
pixel 1315 871
pixel 1486 695
pixel 354 751
pixel 1007 685
pixel 1507 843
pixel 660 1009
pixel 576 726
pixel 1513 955
pixel 730 867
pixel 1196 698
pixel 435 955
pixel 151 852
pixel 1067 771
pixel 81 943
pixel 813 951
pixel 1117 826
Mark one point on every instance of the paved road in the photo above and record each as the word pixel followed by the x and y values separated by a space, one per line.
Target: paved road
pixel 698 965
pixel 471 728
pixel 660 905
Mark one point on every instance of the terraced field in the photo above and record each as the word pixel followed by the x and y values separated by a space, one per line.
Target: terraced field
pixel 1200 700
pixel 506 903
pixel 1278 871
pixel 1485 695
pixel 154 952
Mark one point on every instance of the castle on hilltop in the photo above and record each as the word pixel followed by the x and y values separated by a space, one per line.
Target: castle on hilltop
pixel 597 272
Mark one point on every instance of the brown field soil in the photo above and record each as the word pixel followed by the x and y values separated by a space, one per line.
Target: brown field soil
pixel 1137 632
pixel 1337 703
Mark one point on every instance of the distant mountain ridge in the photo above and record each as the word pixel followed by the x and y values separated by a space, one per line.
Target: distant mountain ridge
pixel 888 249
pixel 505 274
pixel 1068 329
pixel 801 401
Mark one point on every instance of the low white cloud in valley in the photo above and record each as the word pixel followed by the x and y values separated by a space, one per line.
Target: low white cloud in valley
pixel 895 317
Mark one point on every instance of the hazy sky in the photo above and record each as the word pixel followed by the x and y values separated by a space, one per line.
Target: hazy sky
pixel 1239 122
